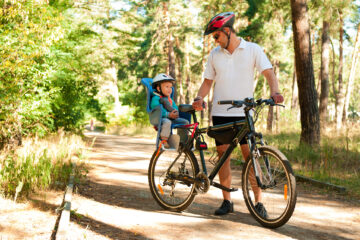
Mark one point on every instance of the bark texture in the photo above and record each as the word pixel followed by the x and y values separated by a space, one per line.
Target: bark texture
pixel 309 111
pixel 325 44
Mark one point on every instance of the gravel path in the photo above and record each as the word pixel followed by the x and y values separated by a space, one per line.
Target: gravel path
pixel 115 203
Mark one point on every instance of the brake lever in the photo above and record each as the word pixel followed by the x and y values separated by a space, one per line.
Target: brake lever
pixel 231 108
pixel 280 105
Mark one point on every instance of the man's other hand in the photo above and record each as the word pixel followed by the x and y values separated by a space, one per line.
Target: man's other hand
pixel 278 98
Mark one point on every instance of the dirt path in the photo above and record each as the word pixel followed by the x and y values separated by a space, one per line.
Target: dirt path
pixel 116 204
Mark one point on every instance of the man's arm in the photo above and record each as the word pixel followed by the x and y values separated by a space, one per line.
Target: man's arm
pixel 273 84
pixel 205 88
pixel 203 92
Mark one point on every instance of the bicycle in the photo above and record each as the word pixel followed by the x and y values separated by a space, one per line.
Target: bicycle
pixel 175 177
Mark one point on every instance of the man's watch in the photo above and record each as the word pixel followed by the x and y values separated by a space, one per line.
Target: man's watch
pixel 197 98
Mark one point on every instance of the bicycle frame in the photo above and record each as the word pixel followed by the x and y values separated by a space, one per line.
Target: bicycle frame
pixel 266 168
pixel 247 130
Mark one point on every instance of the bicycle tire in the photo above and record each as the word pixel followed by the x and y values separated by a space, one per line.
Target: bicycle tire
pixel 171 194
pixel 279 200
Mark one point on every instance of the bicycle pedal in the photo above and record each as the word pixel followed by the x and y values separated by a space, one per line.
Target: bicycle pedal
pixel 215 184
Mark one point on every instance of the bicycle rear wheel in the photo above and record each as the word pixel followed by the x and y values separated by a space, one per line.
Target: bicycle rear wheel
pixel 279 195
pixel 169 193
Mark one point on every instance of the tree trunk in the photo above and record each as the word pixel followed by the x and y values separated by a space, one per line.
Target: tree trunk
pixel 310 124
pixel 325 42
pixel 187 72
pixel 211 93
pixel 270 117
pixel 179 77
pixel 340 95
pixel 205 54
pixel 350 85
pixel 171 57
pixel 294 96
pixel 170 44
pixel 333 75
pixel 115 89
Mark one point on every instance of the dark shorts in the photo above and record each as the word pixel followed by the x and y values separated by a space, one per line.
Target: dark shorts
pixel 222 120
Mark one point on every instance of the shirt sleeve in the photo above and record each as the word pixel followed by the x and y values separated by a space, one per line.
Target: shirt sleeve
pixel 261 61
pixel 155 101
pixel 209 72
pixel 174 105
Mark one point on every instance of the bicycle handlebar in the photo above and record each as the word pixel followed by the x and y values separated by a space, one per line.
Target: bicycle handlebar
pixel 249 102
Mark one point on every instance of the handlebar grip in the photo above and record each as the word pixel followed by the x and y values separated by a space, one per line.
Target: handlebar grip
pixel 225 102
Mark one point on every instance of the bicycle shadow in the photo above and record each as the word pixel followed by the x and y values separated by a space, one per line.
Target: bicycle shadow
pixel 133 193
pixel 131 196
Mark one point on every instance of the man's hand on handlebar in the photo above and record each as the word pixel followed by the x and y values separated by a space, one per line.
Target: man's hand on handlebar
pixel 277 97
pixel 199 104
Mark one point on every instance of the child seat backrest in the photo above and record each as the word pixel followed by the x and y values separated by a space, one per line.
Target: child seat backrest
pixel 155 114
pixel 147 82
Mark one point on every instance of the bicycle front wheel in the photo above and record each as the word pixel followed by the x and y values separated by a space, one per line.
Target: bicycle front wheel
pixel 278 196
pixel 169 192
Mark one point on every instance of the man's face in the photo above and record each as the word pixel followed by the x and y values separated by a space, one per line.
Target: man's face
pixel 220 38
pixel 166 88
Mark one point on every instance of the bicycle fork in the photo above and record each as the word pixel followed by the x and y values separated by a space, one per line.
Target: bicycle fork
pixel 254 155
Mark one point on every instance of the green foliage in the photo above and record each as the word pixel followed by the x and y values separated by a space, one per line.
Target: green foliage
pixel 74 80
pixel 47 75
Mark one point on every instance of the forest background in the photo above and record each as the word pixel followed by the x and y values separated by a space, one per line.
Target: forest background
pixel 64 62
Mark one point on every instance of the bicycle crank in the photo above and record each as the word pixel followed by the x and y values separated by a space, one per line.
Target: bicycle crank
pixel 202 183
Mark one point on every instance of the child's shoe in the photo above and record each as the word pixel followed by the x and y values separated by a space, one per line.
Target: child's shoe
pixel 165 144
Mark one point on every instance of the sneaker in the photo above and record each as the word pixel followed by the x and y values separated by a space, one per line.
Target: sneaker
pixel 261 210
pixel 226 207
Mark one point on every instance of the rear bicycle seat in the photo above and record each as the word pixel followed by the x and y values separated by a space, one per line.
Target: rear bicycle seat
pixel 156 113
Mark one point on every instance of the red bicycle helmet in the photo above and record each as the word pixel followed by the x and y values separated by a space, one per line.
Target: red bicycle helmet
pixel 220 21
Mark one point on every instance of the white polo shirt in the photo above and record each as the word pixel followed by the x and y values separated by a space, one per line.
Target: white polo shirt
pixel 234 74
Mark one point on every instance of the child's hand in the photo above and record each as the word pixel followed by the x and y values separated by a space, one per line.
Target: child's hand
pixel 174 114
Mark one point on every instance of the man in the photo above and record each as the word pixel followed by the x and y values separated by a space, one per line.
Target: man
pixel 231 66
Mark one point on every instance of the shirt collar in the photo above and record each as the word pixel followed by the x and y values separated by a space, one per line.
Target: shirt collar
pixel 242 43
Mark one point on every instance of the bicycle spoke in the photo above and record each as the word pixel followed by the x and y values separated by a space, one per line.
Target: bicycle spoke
pixel 166 170
pixel 278 196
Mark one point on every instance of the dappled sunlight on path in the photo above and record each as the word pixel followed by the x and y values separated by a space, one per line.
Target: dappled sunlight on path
pixel 115 203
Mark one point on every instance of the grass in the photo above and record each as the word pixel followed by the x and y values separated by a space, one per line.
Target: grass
pixel 40 164
pixel 336 160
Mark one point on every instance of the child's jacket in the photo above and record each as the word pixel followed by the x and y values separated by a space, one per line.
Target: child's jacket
pixel 167 102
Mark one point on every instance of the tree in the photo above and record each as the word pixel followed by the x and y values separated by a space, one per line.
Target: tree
pixel 310 124
pixel 350 85
pixel 339 92
pixel 325 42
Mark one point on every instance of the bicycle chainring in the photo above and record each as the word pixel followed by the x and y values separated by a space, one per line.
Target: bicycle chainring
pixel 202 183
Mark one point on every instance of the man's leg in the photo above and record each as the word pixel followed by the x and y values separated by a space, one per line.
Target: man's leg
pixel 225 179
pixel 257 191
pixel 225 171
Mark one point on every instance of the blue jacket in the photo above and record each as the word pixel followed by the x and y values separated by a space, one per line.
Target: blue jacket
pixel 155 101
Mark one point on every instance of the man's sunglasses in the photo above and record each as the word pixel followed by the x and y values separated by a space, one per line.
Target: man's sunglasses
pixel 216 36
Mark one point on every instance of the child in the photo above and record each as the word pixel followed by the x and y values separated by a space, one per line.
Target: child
pixel 162 85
